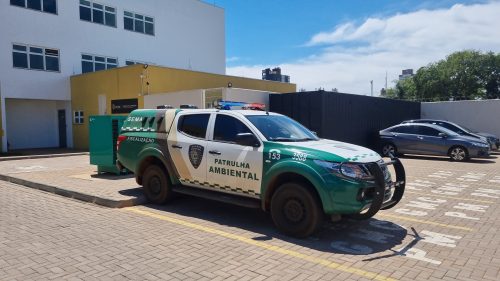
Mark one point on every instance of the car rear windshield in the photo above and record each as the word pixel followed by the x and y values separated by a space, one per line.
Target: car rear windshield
pixel 281 128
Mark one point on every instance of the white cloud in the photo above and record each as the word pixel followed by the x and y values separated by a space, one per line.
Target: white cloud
pixel 232 59
pixel 352 55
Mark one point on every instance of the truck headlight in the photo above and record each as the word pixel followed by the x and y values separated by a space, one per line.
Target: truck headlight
pixel 350 170
pixel 357 171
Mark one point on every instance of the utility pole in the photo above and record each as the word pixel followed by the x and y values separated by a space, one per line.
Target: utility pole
pixel 386 80
pixel 371 85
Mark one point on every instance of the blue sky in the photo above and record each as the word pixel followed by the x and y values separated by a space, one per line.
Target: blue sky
pixel 299 35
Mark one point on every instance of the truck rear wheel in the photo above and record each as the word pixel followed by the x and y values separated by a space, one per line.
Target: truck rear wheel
pixel 295 210
pixel 156 185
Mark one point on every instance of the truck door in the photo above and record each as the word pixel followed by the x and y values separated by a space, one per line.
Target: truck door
pixel 188 147
pixel 233 166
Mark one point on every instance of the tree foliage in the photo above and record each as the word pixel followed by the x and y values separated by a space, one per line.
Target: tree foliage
pixel 462 75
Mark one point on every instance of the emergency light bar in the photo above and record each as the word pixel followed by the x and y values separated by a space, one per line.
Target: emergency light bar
pixel 228 105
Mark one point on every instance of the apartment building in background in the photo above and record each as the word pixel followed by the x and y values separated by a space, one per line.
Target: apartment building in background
pixel 45 42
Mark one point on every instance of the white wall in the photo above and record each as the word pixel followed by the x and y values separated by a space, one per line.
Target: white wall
pixel 29 120
pixel 189 34
pixel 482 116
pixel 175 99
pixel 245 95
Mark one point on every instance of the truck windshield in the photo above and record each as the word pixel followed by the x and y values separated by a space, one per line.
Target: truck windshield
pixel 281 128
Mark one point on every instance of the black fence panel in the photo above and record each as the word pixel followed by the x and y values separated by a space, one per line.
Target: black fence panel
pixel 350 118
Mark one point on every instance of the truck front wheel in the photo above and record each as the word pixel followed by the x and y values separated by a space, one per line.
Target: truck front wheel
pixel 156 186
pixel 295 210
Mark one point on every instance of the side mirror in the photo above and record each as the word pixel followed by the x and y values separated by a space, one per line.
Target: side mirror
pixel 443 135
pixel 247 139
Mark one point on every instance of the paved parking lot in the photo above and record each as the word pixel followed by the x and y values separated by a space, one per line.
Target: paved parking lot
pixel 445 228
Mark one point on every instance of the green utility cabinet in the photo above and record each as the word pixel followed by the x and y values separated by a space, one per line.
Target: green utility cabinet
pixel 103 133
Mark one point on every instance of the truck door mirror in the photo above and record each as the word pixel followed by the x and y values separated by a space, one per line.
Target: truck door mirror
pixel 247 139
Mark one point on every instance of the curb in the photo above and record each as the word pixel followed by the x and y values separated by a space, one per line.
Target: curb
pixel 9 158
pixel 110 203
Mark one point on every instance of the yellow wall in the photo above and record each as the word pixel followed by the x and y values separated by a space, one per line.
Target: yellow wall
pixel 125 83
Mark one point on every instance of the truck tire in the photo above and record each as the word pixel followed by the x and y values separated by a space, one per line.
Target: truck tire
pixel 156 186
pixel 295 210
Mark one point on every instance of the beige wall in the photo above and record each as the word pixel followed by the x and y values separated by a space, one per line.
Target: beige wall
pixel 481 116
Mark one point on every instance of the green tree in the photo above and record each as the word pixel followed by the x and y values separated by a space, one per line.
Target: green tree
pixel 462 75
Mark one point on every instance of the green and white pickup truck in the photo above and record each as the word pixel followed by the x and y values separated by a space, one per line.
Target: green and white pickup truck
pixel 256 159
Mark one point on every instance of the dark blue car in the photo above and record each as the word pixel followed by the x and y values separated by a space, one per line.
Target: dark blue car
pixel 428 139
pixel 493 140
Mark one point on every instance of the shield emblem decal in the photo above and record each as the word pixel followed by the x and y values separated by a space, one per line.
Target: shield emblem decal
pixel 195 155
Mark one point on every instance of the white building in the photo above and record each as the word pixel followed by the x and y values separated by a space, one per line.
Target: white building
pixel 44 42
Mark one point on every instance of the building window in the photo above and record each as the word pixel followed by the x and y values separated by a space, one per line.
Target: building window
pixel 78 117
pixel 139 23
pixel 37 58
pixel 91 63
pixel 48 6
pixel 97 13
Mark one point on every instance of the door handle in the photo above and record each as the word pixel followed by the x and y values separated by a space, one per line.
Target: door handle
pixel 176 146
pixel 215 152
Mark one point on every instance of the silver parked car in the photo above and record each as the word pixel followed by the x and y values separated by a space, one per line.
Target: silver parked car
pixel 429 139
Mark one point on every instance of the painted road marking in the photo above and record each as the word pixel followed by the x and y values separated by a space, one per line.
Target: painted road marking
pixel 425 222
pixel 309 258
pixel 451 197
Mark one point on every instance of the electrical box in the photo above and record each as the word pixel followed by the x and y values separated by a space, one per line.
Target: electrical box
pixel 103 133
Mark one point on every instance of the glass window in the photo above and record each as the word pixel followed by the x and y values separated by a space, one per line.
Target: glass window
pixel 194 125
pixel 97 13
pixel 407 129
pixel 427 131
pixel 85 13
pixel 78 117
pixel 20 59
pixel 51 63
pixel 138 23
pixel 20 3
pixel 110 19
pixel 92 63
pixel 87 66
pixel 34 4
pixel 150 29
pixel 281 128
pixel 97 16
pixel 36 61
pixel 227 128
pixel 38 58
pixel 139 26
pixel 50 6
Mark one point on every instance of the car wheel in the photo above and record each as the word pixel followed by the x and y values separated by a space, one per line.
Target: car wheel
pixel 295 210
pixel 389 149
pixel 156 186
pixel 458 153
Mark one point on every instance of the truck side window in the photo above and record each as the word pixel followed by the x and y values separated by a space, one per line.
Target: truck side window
pixel 227 128
pixel 194 125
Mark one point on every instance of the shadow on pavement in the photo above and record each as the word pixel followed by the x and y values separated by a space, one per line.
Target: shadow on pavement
pixel 109 176
pixel 346 236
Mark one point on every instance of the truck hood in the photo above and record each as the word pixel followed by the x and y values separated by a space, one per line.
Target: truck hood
pixel 331 150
